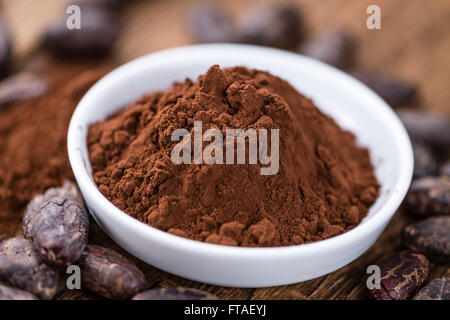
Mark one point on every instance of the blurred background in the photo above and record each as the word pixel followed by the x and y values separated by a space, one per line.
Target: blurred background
pixel 412 45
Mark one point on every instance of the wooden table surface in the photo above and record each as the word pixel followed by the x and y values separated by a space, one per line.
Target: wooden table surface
pixel 414 44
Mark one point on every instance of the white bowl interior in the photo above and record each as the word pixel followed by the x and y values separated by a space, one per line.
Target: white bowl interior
pixel 351 104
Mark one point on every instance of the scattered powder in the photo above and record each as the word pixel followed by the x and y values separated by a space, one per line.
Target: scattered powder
pixel 33 151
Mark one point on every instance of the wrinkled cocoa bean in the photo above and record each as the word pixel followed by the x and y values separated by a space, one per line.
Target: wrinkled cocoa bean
pixel 402 276
pixel 208 23
pixel 445 169
pixel 430 237
pixel 22 87
pixel 5 49
pixel 335 47
pixel 9 293
pixel 429 196
pixel 438 289
pixel 394 92
pixel 110 274
pixel 58 229
pixel 428 128
pixel 270 24
pixel 177 293
pixel 425 163
pixel 68 190
pixel 99 30
pixel 22 267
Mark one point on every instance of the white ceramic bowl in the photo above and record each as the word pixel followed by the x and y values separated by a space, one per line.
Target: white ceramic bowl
pixel 350 103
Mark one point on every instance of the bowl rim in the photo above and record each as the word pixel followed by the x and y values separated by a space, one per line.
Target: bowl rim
pixel 109 211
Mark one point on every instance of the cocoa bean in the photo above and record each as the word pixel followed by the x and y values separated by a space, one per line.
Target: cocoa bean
pixel 98 32
pixel 438 289
pixel 395 92
pixel 428 128
pixel 22 267
pixel 425 163
pixel 402 276
pixel 335 47
pixel 9 293
pixel 5 49
pixel 68 190
pixel 429 196
pixel 59 230
pixel 271 24
pixel 208 23
pixel 110 274
pixel 176 293
pixel 22 87
pixel 430 237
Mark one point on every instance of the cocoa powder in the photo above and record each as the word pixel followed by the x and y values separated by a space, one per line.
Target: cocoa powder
pixel 33 154
pixel 324 186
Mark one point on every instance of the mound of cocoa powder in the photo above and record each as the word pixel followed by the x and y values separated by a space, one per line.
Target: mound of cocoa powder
pixel 33 148
pixel 324 186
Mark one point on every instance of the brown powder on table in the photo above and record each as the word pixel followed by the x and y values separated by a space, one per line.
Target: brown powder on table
pixel 324 186
pixel 33 151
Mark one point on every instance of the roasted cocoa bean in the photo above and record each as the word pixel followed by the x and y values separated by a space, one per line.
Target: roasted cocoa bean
pixel 335 47
pixel 5 49
pixel 22 87
pixel 430 237
pixel 68 190
pixel 10 293
pixel 271 24
pixel 428 128
pixel 429 196
pixel 59 230
pixel 110 274
pixel 438 289
pixel 402 276
pixel 445 169
pixel 99 30
pixel 177 293
pixel 22 267
pixel 208 23
pixel 425 163
pixel 395 92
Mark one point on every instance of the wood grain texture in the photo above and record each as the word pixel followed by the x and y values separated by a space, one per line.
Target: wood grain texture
pixel 414 45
